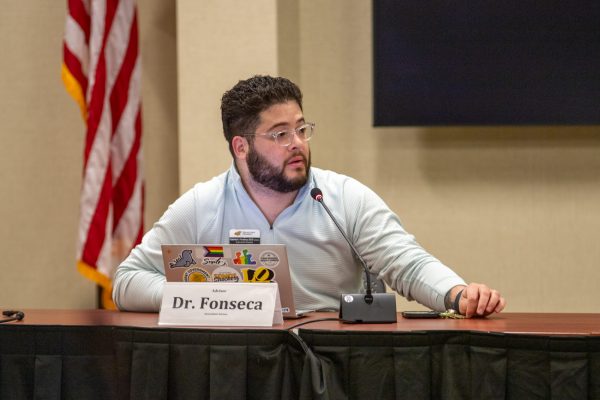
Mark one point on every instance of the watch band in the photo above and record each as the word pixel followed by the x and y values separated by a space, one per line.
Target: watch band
pixel 456 305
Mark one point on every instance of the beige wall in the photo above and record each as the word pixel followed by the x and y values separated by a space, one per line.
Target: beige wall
pixel 40 165
pixel 219 42
pixel 518 208
pixel 158 38
pixel 42 138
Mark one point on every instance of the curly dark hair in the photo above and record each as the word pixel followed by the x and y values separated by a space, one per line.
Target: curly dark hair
pixel 242 104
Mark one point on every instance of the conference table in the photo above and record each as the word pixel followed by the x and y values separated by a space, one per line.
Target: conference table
pixel 101 354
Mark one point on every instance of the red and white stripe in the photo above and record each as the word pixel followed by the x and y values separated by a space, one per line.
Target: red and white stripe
pixel 102 71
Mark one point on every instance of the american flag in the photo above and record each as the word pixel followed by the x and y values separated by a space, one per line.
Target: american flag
pixel 101 71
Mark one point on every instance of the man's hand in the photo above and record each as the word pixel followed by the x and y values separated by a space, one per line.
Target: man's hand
pixel 478 300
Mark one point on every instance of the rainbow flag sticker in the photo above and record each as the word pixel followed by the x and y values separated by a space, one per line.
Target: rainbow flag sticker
pixel 213 251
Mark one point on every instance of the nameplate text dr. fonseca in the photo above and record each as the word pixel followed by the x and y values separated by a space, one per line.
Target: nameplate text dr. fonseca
pixel 218 304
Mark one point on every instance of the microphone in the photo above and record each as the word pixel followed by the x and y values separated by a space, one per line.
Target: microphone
pixel 372 308
pixel 12 316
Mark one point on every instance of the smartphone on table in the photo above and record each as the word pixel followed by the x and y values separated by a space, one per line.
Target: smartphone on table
pixel 420 314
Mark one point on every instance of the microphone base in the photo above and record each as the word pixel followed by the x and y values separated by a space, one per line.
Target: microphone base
pixel 354 308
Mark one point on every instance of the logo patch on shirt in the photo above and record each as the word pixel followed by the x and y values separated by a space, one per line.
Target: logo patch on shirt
pixel 244 236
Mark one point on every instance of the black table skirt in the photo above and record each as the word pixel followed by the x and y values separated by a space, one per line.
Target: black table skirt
pixel 457 365
pixel 65 362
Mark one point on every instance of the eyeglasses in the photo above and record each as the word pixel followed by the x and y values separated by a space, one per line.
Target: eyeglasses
pixel 284 138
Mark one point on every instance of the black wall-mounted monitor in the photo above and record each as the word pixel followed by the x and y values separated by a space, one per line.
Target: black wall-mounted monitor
pixel 483 62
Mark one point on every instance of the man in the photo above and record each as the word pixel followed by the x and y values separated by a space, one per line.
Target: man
pixel 267 188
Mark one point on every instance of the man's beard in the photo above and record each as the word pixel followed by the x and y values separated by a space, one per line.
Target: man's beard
pixel 272 177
